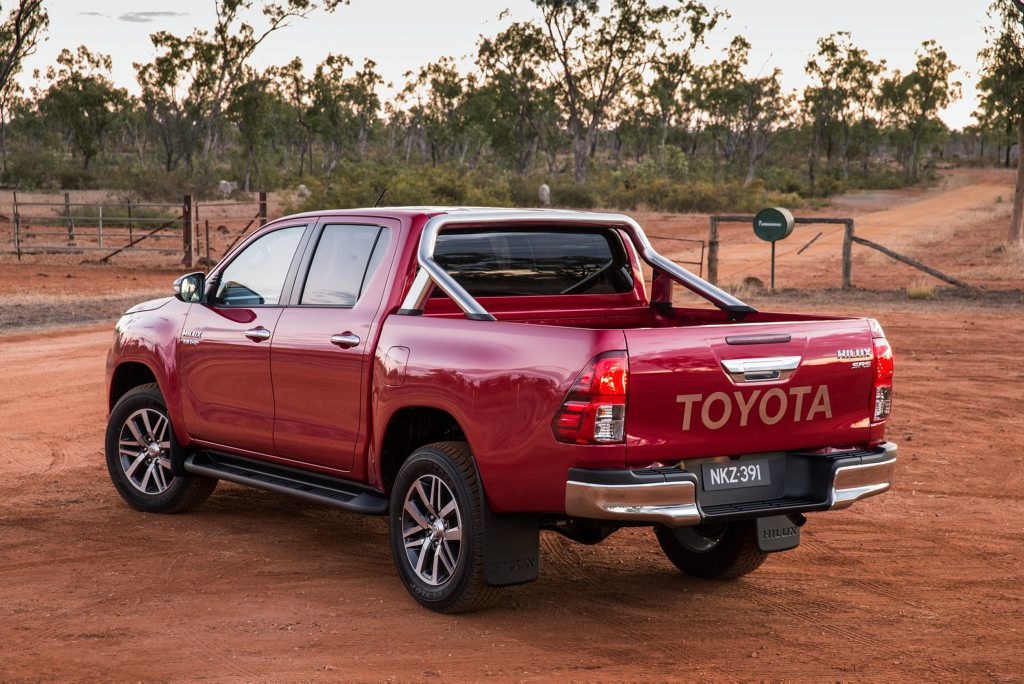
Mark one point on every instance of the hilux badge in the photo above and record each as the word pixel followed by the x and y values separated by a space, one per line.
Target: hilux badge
pixel 191 337
pixel 845 354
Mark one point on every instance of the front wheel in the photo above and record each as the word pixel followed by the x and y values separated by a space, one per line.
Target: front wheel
pixel 139 442
pixel 437 529
pixel 722 551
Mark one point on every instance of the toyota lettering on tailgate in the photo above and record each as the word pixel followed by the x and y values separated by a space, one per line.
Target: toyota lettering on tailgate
pixel 797 404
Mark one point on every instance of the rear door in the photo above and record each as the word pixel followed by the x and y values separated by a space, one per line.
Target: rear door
pixel 224 354
pixel 724 390
pixel 323 344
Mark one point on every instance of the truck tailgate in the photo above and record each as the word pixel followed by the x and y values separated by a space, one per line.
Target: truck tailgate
pixel 792 385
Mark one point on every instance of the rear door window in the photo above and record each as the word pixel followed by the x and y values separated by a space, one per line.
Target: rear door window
pixel 346 257
pixel 535 262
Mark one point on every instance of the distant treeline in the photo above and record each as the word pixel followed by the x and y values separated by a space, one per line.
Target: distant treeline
pixel 622 107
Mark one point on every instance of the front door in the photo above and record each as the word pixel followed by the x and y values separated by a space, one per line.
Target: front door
pixel 321 355
pixel 224 354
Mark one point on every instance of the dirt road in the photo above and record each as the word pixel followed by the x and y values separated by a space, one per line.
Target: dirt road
pixel 958 227
pixel 923 583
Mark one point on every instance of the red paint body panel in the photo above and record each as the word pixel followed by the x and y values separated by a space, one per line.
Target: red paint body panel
pixel 320 390
pixel 227 396
pixel 299 400
pixel 668 364
pixel 148 334
pixel 503 383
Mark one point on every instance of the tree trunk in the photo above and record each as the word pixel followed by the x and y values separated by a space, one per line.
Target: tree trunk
pixel 751 172
pixel 912 162
pixel 248 170
pixel 866 152
pixel 1017 220
pixel 846 150
pixel 581 156
pixel 3 141
pixel 812 163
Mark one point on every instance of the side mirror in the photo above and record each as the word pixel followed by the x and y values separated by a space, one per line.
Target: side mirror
pixel 189 288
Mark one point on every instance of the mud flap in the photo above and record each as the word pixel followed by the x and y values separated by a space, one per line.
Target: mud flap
pixel 778 533
pixel 511 548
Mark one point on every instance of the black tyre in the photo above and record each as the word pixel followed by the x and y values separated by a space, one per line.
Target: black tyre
pixel 723 551
pixel 139 443
pixel 437 529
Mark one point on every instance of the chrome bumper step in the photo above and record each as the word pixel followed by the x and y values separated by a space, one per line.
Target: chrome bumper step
pixel 673 496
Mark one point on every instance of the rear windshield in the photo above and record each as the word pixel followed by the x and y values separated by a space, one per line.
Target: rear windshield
pixel 535 262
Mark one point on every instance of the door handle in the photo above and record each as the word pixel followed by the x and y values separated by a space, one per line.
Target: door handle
pixel 761 370
pixel 345 340
pixel 258 334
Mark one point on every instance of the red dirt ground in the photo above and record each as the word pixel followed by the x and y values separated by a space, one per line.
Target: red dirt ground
pixel 923 583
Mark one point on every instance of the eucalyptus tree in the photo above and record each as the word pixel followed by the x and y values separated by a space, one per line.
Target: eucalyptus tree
pixel 449 112
pixel 82 100
pixel 218 58
pixel 913 101
pixel 862 79
pixel 345 108
pixel 675 89
pixel 744 113
pixel 296 89
pixel 1002 95
pixel 596 57
pixel 826 101
pixel 172 107
pixel 250 109
pixel 512 64
pixel 765 110
pixel 20 34
pixel 723 98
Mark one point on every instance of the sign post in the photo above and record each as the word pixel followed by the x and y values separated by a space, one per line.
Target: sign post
pixel 772 225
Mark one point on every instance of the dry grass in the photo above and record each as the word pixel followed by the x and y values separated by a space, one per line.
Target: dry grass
pixel 30 310
pixel 921 288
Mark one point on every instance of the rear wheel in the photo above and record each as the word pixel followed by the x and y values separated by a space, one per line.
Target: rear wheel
pixel 139 444
pixel 722 551
pixel 437 529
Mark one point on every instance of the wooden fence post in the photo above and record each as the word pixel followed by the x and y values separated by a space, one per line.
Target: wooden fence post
pixel 17 227
pixel 186 230
pixel 713 252
pixel 848 255
pixel 71 221
pixel 263 208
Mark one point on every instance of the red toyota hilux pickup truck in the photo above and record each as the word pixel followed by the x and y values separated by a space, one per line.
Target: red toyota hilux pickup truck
pixel 479 375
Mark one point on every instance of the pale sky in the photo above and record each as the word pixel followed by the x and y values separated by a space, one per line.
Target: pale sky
pixel 402 35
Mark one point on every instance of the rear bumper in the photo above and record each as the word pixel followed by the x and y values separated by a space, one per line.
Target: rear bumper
pixel 674 497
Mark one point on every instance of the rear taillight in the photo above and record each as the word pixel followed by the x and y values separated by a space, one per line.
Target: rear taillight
pixel 594 410
pixel 883 368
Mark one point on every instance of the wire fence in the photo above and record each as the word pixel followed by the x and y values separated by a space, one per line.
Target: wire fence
pixel 193 232
pixel 698 262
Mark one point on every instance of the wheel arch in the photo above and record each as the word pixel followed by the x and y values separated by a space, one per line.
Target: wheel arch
pixel 127 375
pixel 408 429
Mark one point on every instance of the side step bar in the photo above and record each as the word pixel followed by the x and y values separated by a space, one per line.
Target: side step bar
pixel 283 480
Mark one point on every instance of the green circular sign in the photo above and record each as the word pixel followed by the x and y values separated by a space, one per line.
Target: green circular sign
pixel 773 224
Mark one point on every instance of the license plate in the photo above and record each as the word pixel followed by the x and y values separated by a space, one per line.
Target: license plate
pixel 732 475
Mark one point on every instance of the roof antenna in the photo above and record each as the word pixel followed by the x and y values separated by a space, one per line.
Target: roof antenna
pixel 381 196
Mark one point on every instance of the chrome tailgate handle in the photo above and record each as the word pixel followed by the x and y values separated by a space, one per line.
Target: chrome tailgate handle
pixel 260 334
pixel 761 370
pixel 345 340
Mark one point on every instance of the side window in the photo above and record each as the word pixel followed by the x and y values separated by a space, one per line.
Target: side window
pixel 256 276
pixel 346 257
